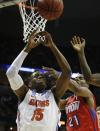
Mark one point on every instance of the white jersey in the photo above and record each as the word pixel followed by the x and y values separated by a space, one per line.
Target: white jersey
pixel 38 112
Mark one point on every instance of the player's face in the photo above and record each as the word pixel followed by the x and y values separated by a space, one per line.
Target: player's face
pixel 80 80
pixel 38 82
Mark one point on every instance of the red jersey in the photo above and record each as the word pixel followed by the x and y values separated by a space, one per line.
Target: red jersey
pixel 80 117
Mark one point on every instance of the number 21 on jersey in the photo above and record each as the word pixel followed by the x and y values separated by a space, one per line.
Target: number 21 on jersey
pixel 74 121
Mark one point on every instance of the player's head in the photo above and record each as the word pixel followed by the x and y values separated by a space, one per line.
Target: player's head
pixel 42 80
pixel 37 81
pixel 79 78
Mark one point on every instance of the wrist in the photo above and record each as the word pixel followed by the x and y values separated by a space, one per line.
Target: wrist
pixel 81 52
pixel 52 45
pixel 27 49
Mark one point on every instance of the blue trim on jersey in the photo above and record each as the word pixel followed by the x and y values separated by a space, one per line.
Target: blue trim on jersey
pixel 93 114
pixel 57 127
pixel 34 92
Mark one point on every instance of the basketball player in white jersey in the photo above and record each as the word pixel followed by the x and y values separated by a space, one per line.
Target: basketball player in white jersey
pixel 38 109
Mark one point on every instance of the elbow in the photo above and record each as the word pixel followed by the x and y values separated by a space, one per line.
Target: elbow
pixel 11 72
pixel 8 73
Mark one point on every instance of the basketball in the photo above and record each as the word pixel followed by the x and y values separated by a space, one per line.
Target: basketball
pixel 50 9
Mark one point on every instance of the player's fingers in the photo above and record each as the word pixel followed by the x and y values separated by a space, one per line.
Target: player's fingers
pixel 33 34
pixel 83 40
pixel 44 33
pixel 79 40
pixel 72 43
pixel 46 68
pixel 75 40
pixel 49 69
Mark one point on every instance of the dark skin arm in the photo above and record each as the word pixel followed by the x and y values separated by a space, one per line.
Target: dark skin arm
pixel 63 79
pixel 78 44
pixel 84 92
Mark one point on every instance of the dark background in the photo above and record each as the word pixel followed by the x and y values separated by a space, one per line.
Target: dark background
pixel 80 17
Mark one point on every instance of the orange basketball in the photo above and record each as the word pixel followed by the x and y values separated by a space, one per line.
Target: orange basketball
pixel 50 9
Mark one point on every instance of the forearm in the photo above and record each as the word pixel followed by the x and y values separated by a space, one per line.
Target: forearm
pixel 62 62
pixel 84 65
pixel 14 78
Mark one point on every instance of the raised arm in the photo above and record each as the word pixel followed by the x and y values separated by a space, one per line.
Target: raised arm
pixel 15 80
pixel 78 44
pixel 62 81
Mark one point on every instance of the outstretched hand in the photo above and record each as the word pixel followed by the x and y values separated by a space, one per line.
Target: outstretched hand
pixel 48 42
pixel 78 43
pixel 52 70
pixel 32 42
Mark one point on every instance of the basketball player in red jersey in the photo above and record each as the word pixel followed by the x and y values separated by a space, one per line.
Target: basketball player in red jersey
pixel 78 45
pixel 38 109
pixel 80 108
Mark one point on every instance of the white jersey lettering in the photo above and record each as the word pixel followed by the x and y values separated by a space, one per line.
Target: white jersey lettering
pixel 72 107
